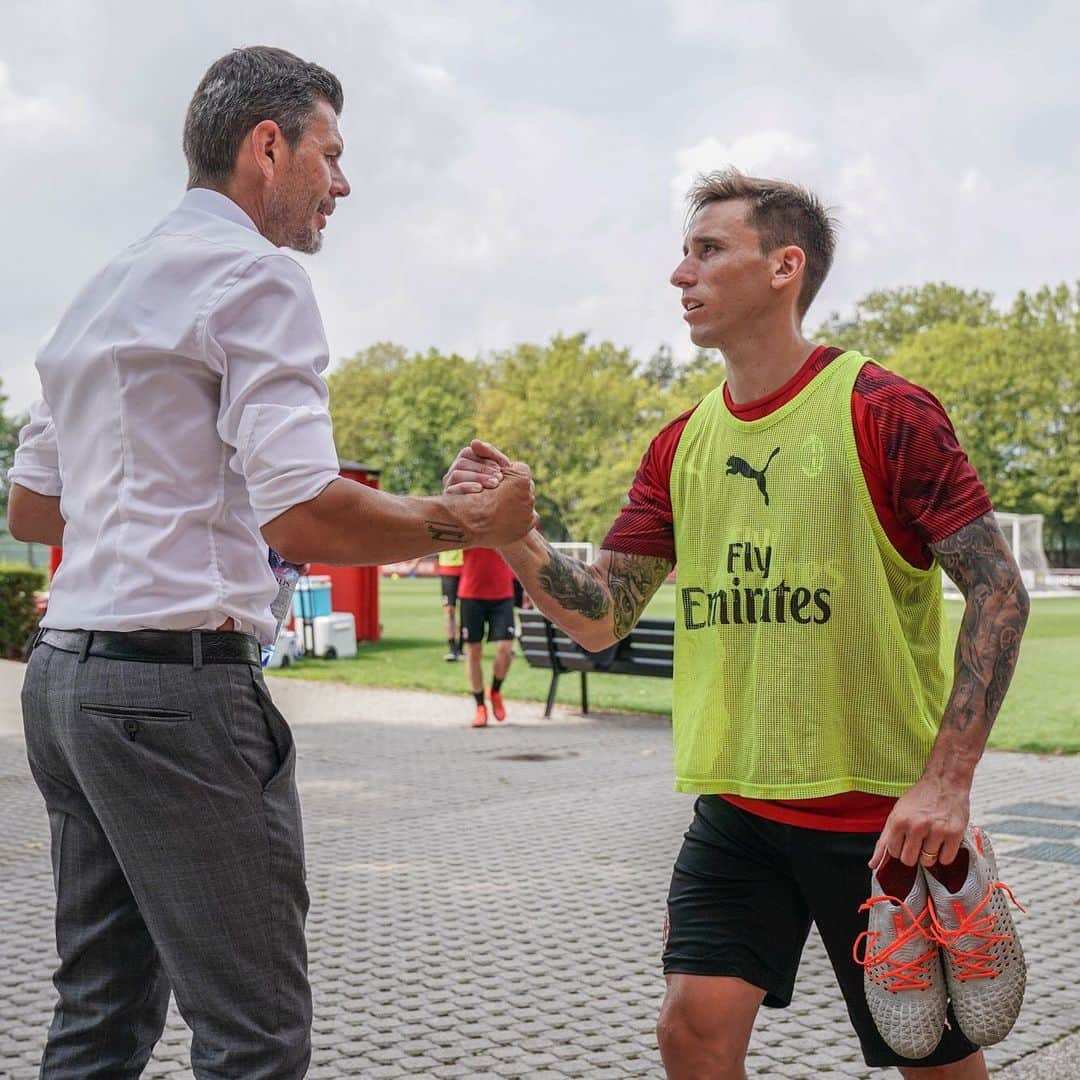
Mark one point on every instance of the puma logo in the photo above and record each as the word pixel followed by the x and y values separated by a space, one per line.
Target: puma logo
pixel 736 466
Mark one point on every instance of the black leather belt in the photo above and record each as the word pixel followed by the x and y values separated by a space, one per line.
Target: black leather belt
pixel 194 647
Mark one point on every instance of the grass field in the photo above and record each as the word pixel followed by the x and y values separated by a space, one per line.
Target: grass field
pixel 1041 713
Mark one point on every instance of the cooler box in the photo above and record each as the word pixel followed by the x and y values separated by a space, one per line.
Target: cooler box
pixel 312 596
pixel 331 636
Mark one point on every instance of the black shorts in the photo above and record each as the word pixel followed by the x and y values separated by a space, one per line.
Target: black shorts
pixel 743 895
pixel 449 589
pixel 497 615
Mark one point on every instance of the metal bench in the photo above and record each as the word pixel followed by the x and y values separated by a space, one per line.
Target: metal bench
pixel 648 650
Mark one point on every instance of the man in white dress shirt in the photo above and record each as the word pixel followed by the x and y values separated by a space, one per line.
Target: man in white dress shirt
pixel 183 427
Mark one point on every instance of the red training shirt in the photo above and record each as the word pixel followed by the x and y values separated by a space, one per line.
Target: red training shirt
pixel 921 484
pixel 485 576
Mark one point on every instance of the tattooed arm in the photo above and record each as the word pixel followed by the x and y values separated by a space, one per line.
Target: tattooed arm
pixel 981 564
pixel 596 604
pixel 931 816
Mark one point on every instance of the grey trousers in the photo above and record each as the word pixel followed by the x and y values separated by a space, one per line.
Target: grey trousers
pixel 178 859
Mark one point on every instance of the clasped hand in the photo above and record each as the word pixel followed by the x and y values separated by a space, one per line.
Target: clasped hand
pixel 500 496
pixel 478 467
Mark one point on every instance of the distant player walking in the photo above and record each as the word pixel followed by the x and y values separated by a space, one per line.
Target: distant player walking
pixel 812 709
pixel 486 593
pixel 449 565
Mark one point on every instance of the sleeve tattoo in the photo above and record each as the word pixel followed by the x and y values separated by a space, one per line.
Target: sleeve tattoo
pixel 979 561
pixel 631 582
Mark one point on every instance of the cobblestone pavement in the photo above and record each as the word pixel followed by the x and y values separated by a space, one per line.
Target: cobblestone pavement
pixel 490 903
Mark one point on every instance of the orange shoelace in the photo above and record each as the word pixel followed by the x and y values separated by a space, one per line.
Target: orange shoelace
pixel 978 923
pixel 904 974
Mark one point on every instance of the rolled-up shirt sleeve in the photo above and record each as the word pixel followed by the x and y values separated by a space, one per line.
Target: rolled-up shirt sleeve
pixel 266 337
pixel 37 460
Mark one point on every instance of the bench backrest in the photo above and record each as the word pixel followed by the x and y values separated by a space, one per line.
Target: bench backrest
pixel 648 650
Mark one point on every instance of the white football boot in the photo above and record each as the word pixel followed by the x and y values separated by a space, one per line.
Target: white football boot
pixel 984 964
pixel 902 974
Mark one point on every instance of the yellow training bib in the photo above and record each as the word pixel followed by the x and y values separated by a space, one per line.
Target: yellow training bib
pixel 809 657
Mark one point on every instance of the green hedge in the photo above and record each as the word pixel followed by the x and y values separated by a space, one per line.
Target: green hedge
pixel 18 613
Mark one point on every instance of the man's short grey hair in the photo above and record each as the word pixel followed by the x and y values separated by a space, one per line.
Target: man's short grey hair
pixel 241 90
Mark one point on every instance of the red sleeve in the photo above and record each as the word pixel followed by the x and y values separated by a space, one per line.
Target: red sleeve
pixel 645 524
pixel 920 480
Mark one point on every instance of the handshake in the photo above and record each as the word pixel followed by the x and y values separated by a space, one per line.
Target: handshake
pixel 490 498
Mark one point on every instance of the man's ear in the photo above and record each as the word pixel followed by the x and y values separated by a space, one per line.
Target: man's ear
pixel 787 266
pixel 265 142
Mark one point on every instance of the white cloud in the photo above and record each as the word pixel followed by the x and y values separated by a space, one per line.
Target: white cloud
pixel 464 27
pixel 973 183
pixel 432 75
pixel 761 153
pixel 737 26
pixel 29 118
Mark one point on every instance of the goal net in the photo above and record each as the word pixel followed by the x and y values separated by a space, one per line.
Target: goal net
pixel 582 550
pixel 1024 532
pixel 1024 535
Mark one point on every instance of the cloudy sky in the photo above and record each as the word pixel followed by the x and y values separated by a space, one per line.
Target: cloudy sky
pixel 518 166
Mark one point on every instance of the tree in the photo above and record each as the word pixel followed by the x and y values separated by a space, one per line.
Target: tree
pixel 359 391
pixel 581 417
pixel 431 414
pixel 886 318
pixel 407 415
pixel 661 369
pixel 703 373
pixel 1011 389
pixel 969 369
pixel 1044 328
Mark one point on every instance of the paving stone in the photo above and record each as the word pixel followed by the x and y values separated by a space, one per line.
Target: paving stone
pixel 476 918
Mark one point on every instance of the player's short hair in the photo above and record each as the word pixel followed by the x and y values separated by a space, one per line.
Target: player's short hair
pixel 243 88
pixel 782 213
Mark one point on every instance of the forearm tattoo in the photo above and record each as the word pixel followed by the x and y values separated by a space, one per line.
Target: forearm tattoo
pixel 573 584
pixel 978 559
pixel 443 531
pixel 631 582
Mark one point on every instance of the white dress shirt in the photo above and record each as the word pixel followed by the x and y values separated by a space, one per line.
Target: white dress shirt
pixel 182 409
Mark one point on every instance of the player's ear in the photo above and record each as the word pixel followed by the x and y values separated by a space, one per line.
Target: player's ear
pixel 787 265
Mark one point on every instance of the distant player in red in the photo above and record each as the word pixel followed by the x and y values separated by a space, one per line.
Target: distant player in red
pixel 486 594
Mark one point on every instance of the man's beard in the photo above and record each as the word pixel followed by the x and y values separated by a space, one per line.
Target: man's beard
pixel 307 240
pixel 284 231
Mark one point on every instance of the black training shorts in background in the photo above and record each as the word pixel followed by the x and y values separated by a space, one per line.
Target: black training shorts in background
pixel 743 895
pixel 496 615
pixel 449 589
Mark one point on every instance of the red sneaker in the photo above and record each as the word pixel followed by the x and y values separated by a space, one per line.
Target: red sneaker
pixel 480 719
pixel 497 706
